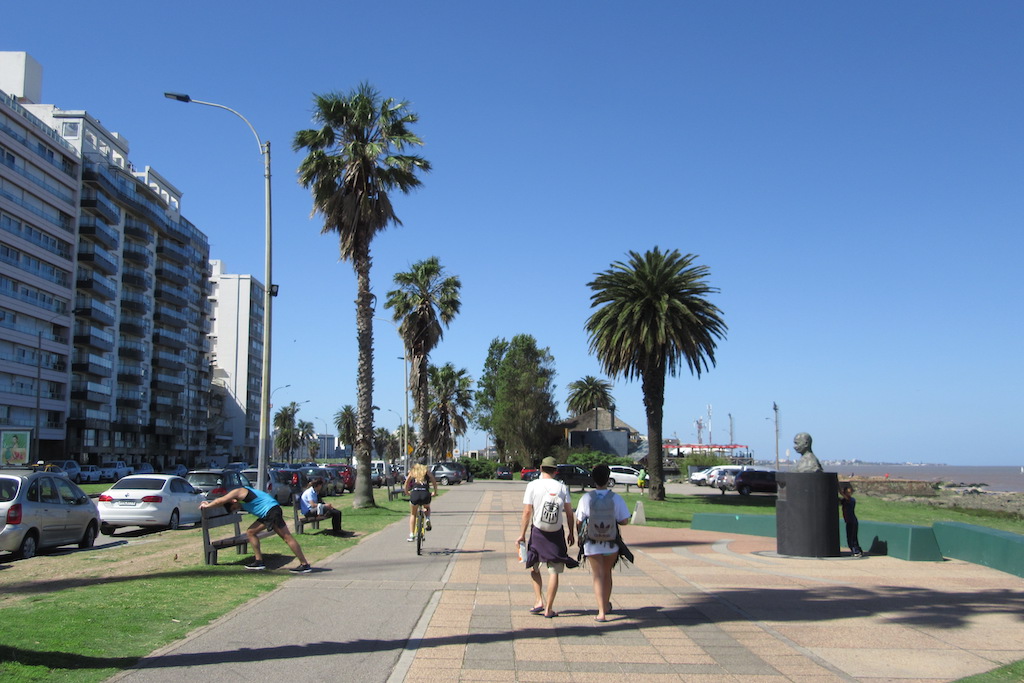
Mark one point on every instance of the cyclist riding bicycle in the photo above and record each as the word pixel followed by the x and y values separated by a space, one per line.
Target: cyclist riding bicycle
pixel 417 485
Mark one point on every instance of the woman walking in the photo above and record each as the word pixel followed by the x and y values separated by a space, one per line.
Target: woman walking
pixel 600 514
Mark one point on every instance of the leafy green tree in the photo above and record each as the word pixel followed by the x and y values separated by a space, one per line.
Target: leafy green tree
pixel 345 423
pixel 480 468
pixel 487 392
pixel 356 158
pixel 451 400
pixel 424 303
pixel 386 443
pixel 652 317
pixel 590 393
pixel 523 414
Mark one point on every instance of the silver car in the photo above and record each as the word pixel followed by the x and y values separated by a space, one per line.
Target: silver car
pixel 44 510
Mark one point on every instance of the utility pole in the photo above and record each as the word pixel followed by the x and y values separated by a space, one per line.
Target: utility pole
pixel 775 407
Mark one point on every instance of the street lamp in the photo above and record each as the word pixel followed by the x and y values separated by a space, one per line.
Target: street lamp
pixel 268 291
pixel 405 378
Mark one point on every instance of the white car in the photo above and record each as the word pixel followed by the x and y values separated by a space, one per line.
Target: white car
pixel 89 474
pixel 159 500
pixel 621 474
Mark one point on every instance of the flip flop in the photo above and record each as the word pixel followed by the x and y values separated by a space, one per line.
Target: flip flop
pixel 537 610
pixel 551 616
pixel 599 619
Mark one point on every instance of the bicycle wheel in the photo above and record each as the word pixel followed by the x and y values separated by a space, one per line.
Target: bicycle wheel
pixel 419 531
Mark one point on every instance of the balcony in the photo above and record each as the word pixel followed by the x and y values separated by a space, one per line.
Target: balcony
pixel 172 273
pixel 97 257
pixel 98 232
pixel 138 230
pixel 129 373
pixel 138 255
pixel 130 400
pixel 96 204
pixel 165 382
pixel 91 336
pixel 134 326
pixel 136 278
pixel 136 303
pixel 127 423
pixel 92 392
pixel 172 252
pixel 132 350
pixel 91 364
pixel 169 339
pixel 102 287
pixel 95 311
pixel 169 317
pixel 162 359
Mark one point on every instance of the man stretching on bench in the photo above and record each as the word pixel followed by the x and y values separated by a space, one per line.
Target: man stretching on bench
pixel 268 516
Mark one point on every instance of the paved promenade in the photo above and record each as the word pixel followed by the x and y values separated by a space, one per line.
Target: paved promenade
pixel 696 606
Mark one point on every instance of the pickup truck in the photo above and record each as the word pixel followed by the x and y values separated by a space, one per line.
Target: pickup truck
pixel 114 470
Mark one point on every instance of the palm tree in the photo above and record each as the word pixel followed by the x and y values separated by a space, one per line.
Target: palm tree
pixel 355 159
pixel 287 437
pixel 386 443
pixel 652 317
pixel 306 437
pixel 345 423
pixel 590 393
pixel 451 403
pixel 425 302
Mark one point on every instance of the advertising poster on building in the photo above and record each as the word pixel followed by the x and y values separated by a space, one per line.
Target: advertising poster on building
pixel 14 447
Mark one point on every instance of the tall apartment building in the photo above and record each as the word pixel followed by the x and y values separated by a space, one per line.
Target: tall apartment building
pixel 236 343
pixel 140 374
pixel 39 196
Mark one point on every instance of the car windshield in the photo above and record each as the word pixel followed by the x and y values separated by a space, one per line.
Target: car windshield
pixel 145 484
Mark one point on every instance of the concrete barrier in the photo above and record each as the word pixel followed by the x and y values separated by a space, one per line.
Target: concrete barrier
pixel 750 525
pixel 1000 550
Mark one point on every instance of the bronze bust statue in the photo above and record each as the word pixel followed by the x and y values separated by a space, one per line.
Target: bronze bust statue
pixel 808 461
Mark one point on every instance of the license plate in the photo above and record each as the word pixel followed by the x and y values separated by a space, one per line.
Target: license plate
pixel 125 503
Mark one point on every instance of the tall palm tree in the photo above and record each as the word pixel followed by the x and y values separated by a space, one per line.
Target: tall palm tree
pixel 345 423
pixel 425 302
pixel 355 159
pixel 451 403
pixel 590 393
pixel 306 437
pixel 386 443
pixel 287 436
pixel 652 317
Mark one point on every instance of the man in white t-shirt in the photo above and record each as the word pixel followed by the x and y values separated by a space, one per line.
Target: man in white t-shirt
pixel 544 503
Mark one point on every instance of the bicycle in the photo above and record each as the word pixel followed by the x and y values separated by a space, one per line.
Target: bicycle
pixel 421 525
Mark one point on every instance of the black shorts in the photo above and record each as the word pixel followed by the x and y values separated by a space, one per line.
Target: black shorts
pixel 273 520
pixel 419 497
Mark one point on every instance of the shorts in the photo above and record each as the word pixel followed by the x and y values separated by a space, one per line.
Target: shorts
pixel 274 519
pixel 553 567
pixel 419 497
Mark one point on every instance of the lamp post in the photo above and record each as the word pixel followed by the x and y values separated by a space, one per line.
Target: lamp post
pixel 269 290
pixel 405 389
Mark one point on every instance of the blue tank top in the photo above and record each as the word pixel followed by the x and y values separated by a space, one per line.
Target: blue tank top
pixel 258 503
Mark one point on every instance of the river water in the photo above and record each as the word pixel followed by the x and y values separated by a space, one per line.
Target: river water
pixel 994 478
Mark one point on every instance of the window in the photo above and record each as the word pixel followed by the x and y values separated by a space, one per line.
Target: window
pixel 71 129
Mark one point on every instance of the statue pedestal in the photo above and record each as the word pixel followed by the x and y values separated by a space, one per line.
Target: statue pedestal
pixel 807 514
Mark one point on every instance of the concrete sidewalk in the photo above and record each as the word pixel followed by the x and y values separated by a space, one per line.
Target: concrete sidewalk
pixel 696 606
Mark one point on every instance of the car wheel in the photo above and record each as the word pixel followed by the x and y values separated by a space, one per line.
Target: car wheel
pixel 174 523
pixel 444 481
pixel 89 539
pixel 744 490
pixel 107 530
pixel 28 547
pixel 611 483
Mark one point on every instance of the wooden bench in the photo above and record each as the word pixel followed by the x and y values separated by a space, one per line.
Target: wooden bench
pixel 396 491
pixel 300 521
pixel 214 518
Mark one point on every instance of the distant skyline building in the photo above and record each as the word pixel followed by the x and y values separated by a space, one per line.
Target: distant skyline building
pixel 137 281
pixel 236 344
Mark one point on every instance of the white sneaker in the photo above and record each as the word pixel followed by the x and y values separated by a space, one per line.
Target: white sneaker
pixel 412 537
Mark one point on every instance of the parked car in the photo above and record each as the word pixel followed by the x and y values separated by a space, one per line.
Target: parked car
pixel 215 483
pixel 278 485
pixel 347 473
pixel 296 479
pixel 462 470
pixel 502 472
pixel 158 500
pixel 237 465
pixel 89 474
pixel 721 479
pixel 754 481
pixel 44 510
pixel 378 473
pixel 706 476
pixel 112 470
pixel 528 474
pixel 445 474
pixel 144 468
pixel 71 468
pixel 333 486
pixel 574 475
pixel 622 474
pixel 178 470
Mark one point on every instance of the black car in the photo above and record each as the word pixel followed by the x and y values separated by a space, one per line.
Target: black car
pixel 502 472
pixel 574 475
pixel 754 481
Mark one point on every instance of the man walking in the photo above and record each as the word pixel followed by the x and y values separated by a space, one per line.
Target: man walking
pixel 545 502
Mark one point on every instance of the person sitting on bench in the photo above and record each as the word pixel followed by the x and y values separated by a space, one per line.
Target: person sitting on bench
pixel 312 506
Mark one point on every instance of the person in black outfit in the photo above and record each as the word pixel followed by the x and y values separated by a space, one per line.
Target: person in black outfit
pixel 849 505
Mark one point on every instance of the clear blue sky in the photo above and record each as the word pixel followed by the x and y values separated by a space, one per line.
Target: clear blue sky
pixel 850 173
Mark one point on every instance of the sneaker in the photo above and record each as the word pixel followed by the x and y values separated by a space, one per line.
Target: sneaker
pixel 412 537
pixel 301 569
pixel 429 527
pixel 256 566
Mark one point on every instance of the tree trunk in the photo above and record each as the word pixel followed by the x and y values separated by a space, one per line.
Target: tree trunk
pixel 362 496
pixel 654 403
